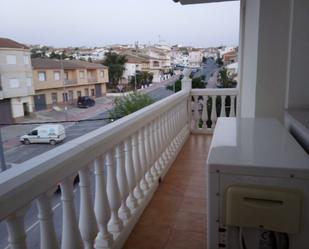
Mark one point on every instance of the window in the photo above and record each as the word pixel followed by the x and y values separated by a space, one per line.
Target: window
pixel 14 83
pixel 42 76
pixel 86 92
pixel 102 74
pixel 11 59
pixel 34 133
pixel 26 59
pixel 79 93
pixel 81 74
pixel 56 75
pixel 54 98
pixel 29 82
pixel 71 95
pixel 65 97
pixel 92 92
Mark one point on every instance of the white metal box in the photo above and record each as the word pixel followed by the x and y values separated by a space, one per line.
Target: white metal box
pixel 256 153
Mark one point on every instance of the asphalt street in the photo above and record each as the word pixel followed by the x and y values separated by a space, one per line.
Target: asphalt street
pixel 25 152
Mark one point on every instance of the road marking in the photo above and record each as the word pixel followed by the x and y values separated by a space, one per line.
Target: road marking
pixel 37 222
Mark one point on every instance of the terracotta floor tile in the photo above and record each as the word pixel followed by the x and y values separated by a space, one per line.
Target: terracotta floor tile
pixel 185 240
pixel 176 216
pixel 192 222
pixel 195 192
pixel 153 237
pixel 194 205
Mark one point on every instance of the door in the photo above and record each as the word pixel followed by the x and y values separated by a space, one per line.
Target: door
pixel 39 102
pixel 6 112
pixel 98 90
pixel 26 109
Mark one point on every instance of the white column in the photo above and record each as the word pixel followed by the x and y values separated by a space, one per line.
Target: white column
pixel 196 115
pixel 205 113
pixel 153 151
pixel 213 115
pixel 124 211
pixel 137 166
pixel 149 175
pixel 71 237
pixel 16 230
pixel 48 239
pixel 132 202
pixel 87 222
pixel 142 156
pixel 232 111
pixel 113 193
pixel 104 238
pixel 222 111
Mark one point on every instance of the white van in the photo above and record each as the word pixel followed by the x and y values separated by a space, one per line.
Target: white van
pixel 49 133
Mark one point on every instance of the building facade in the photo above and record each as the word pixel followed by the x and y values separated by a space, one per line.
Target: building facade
pixel 16 87
pixel 58 83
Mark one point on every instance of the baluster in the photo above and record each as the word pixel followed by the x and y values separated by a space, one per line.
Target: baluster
pixel 232 110
pixel 104 238
pixel 137 166
pixel 163 159
pixel 124 211
pixel 132 202
pixel 157 146
pixel 142 156
pixel 71 237
pixel 87 222
pixel 222 112
pixel 205 113
pixel 16 230
pixel 48 239
pixel 164 139
pixel 148 155
pixel 213 116
pixel 196 115
pixel 113 193
pixel 153 154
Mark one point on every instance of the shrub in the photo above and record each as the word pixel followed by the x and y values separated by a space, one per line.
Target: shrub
pixel 129 104
pixel 177 86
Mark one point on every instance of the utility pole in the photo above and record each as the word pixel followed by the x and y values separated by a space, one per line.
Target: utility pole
pixel 2 158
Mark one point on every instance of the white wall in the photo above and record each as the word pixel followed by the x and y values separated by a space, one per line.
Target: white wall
pixel 17 106
pixel 298 83
pixel 265 58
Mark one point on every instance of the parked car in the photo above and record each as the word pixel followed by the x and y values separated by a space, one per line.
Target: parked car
pixel 85 102
pixel 49 133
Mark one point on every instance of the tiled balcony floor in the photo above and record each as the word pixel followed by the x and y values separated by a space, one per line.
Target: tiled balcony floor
pixel 176 216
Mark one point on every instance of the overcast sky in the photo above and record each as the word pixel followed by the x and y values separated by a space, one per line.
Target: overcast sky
pixel 102 22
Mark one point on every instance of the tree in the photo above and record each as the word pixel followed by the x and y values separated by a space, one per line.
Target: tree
pixel 176 86
pixel 225 81
pixel 115 64
pixel 198 83
pixel 142 78
pixel 219 62
pixel 128 104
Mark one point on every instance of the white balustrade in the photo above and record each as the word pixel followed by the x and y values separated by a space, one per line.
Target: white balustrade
pixel 125 159
pixel 113 193
pixel 104 238
pixel 71 237
pixel 48 239
pixel 87 221
pixel 204 120
pixel 124 211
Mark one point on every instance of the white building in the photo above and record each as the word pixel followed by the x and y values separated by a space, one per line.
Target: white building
pixel 16 87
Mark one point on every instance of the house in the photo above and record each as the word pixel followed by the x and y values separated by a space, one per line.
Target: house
pixel 229 57
pixel 149 169
pixel 58 82
pixel 16 87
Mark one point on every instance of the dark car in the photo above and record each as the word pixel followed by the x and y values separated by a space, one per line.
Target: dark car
pixel 85 102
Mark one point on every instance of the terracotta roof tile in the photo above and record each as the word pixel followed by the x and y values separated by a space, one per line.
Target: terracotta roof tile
pixel 8 43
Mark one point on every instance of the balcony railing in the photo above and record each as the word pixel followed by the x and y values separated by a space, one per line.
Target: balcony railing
pixel 70 82
pixel 124 159
pixel 92 79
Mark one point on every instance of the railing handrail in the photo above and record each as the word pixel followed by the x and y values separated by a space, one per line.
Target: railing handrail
pixel 215 91
pixel 25 182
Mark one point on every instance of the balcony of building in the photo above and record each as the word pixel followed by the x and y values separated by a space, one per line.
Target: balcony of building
pixel 92 76
pixel 145 159
pixel 70 77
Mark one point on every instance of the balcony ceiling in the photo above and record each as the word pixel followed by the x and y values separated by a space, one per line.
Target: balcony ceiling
pixel 201 1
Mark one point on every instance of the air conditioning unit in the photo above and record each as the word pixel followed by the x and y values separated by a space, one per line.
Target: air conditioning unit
pixel 258 187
